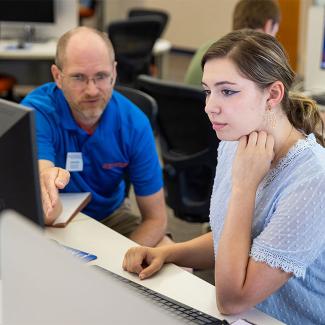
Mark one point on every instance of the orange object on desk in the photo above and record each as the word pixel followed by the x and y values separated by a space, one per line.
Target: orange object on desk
pixel 6 83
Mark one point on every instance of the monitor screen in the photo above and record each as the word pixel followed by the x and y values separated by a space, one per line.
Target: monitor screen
pixel 27 11
pixel 19 179
pixel 322 65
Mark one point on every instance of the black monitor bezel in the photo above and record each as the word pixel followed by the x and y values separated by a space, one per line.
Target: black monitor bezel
pixel 12 115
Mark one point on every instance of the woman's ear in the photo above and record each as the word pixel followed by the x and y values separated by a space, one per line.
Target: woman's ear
pixel 275 93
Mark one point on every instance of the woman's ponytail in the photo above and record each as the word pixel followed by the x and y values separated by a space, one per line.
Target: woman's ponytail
pixel 304 115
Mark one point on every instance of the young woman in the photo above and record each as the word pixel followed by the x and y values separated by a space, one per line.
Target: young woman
pixel 267 208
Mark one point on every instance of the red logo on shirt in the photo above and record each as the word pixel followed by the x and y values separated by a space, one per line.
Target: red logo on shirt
pixel 116 164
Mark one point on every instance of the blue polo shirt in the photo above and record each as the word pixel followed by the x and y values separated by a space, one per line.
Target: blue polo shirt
pixel 123 141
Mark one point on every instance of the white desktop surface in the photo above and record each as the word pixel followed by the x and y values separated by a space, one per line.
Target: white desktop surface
pixel 88 235
pixel 33 51
pixel 46 50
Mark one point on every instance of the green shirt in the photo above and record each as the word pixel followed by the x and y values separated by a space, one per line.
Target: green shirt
pixel 194 72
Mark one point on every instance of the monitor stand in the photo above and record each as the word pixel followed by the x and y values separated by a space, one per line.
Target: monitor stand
pixel 25 40
pixel 29 37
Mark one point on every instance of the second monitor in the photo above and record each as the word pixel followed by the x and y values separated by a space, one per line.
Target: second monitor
pixel 19 179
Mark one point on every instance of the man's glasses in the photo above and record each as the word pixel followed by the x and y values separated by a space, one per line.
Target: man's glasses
pixel 80 81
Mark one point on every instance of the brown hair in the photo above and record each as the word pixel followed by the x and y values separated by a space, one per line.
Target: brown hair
pixel 262 59
pixel 64 40
pixel 255 13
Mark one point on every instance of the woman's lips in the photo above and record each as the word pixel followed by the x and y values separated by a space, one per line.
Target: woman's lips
pixel 218 126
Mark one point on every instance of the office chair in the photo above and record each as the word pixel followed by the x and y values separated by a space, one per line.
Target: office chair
pixel 188 146
pixel 142 12
pixel 148 106
pixel 133 40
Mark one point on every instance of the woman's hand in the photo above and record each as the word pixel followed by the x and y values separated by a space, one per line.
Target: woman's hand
pixel 253 160
pixel 145 261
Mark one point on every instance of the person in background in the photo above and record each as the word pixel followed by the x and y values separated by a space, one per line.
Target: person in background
pixel 267 244
pixel 261 15
pixel 89 136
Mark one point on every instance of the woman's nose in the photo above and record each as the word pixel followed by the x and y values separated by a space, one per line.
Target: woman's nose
pixel 212 107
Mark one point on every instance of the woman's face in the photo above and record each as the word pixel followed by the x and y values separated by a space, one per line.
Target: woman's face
pixel 234 104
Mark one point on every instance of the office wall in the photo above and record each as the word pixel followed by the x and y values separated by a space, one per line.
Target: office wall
pixel 192 22
pixel 302 40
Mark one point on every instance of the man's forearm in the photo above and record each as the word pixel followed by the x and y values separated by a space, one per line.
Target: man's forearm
pixel 149 233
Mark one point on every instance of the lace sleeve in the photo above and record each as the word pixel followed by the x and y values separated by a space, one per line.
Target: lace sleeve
pixel 295 234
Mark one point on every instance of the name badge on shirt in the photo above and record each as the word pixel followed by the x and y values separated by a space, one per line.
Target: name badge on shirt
pixel 74 162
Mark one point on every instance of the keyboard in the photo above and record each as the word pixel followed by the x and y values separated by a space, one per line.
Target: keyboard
pixel 183 312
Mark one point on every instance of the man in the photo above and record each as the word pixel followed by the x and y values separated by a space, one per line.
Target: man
pixel 262 15
pixel 92 135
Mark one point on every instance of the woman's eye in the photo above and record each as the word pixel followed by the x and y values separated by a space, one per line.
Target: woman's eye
pixel 206 92
pixel 228 92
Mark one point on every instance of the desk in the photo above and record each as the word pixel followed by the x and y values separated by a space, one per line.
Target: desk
pixel 161 51
pixel 32 65
pixel 35 51
pixel 91 236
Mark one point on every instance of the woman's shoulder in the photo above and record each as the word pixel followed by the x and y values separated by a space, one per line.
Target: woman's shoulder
pixel 305 157
pixel 306 165
pixel 312 156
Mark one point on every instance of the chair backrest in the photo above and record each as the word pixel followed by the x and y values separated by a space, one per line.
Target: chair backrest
pixel 141 12
pixel 133 40
pixel 188 146
pixel 145 102
pixel 180 114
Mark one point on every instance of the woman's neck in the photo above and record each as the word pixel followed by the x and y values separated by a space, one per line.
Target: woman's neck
pixel 285 136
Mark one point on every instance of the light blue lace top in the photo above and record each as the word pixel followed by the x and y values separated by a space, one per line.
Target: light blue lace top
pixel 288 230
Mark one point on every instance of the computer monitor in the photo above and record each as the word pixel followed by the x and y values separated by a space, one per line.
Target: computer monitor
pixel 314 74
pixel 65 17
pixel 27 11
pixel 19 179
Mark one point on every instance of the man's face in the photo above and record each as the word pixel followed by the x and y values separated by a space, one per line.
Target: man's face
pixel 87 78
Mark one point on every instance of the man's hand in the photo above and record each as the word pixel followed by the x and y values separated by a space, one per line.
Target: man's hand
pixel 52 179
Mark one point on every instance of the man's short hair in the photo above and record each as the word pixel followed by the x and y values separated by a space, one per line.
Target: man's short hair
pixel 64 40
pixel 254 14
